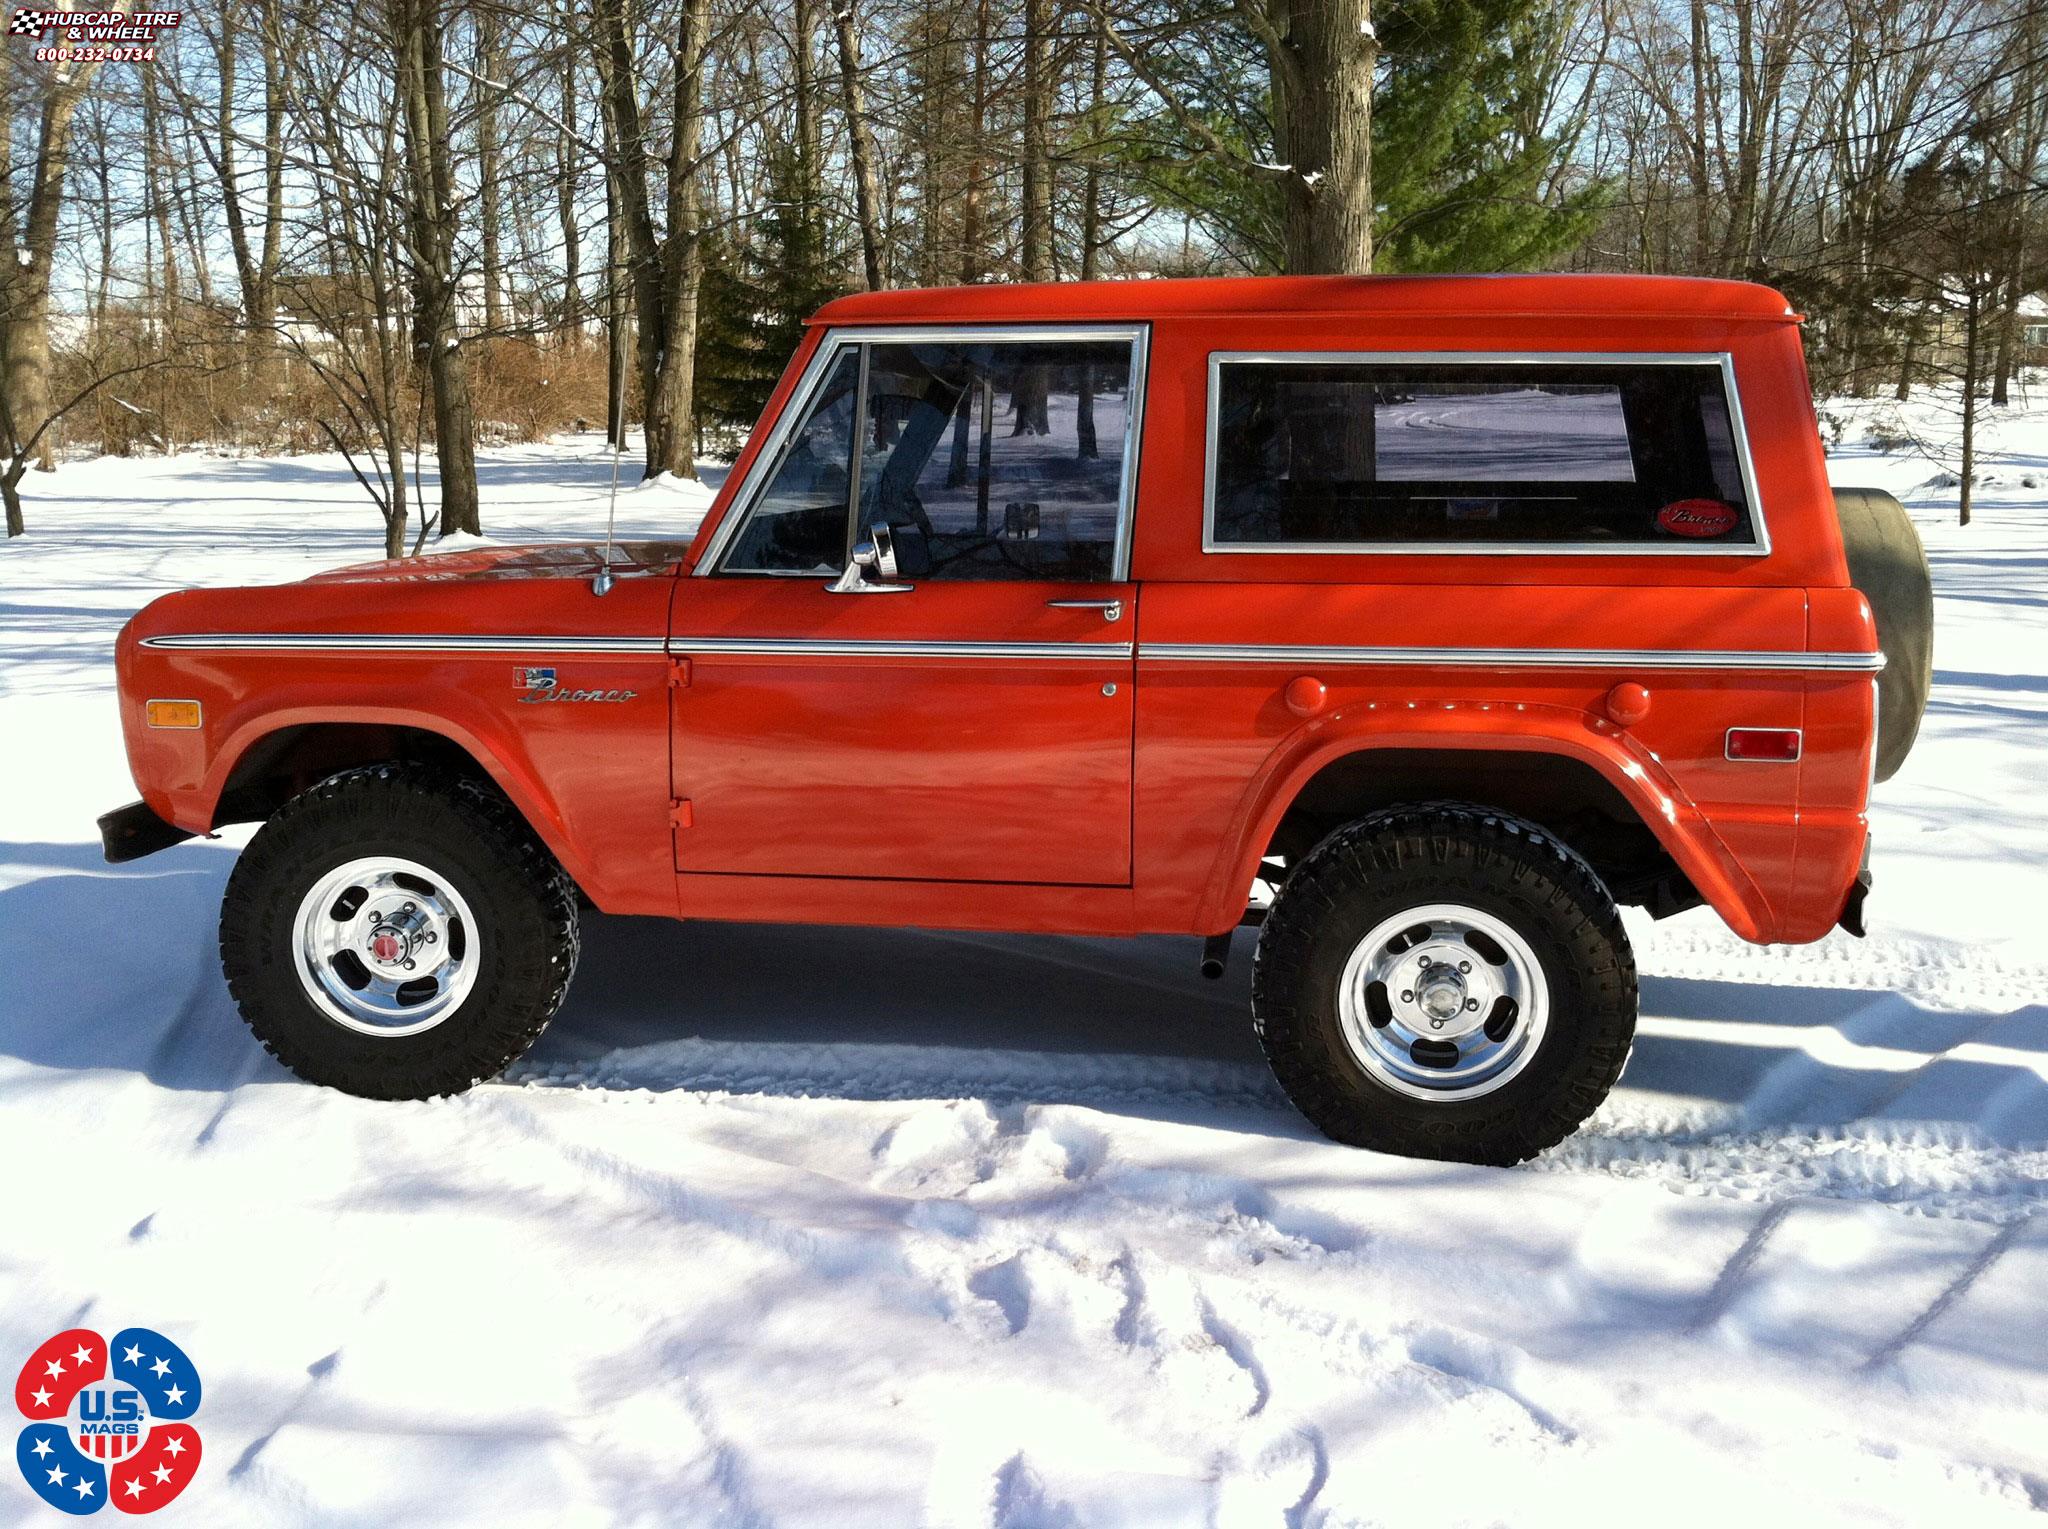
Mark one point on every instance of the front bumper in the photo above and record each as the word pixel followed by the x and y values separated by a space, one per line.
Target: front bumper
pixel 129 833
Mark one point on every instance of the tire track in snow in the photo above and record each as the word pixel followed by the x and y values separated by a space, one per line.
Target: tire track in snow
pixel 1721 1296
pixel 1994 1248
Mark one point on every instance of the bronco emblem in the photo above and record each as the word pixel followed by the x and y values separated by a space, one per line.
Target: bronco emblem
pixel 541 685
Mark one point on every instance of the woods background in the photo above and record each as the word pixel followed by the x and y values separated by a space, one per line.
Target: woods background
pixel 402 228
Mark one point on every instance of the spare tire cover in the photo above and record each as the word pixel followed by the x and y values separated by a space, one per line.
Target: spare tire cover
pixel 1889 566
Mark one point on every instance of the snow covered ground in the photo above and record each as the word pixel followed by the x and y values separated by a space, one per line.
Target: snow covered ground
pixel 849 1228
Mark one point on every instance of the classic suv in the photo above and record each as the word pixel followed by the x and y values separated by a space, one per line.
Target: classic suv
pixel 1419 620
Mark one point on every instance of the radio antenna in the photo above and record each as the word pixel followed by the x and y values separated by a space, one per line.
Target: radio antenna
pixel 616 427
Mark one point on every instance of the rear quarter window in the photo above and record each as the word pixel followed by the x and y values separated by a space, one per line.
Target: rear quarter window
pixel 1337 453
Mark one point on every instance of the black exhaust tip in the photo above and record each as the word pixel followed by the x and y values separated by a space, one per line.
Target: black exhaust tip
pixel 1215 955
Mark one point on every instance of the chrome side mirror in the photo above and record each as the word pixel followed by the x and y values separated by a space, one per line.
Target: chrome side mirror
pixel 871 568
pixel 884 543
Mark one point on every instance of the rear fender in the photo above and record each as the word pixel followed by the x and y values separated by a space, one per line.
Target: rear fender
pixel 1498 726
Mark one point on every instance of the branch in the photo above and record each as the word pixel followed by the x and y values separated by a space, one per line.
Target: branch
pixel 1182 114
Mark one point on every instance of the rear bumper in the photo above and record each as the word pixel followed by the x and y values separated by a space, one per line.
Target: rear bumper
pixel 129 833
pixel 1859 894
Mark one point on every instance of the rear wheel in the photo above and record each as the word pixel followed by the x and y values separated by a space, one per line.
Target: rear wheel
pixel 1447 982
pixel 398 933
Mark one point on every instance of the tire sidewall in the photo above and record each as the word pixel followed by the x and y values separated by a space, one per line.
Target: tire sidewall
pixel 1357 911
pixel 1373 869
pixel 496 1019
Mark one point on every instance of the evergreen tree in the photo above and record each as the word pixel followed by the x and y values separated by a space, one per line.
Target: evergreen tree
pixel 757 295
pixel 1461 168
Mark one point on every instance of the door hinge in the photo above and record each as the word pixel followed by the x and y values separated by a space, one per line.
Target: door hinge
pixel 679 814
pixel 678 674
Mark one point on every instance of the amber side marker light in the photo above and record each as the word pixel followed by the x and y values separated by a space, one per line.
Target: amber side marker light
pixel 1763 745
pixel 171 713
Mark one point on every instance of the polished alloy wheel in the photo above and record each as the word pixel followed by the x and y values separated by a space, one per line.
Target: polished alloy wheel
pixel 1443 1002
pixel 385 946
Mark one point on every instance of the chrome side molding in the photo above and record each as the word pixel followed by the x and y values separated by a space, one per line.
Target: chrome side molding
pixel 1516 658
pixel 399 642
pixel 1093 652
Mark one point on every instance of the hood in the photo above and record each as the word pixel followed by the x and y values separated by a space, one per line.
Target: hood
pixel 484 563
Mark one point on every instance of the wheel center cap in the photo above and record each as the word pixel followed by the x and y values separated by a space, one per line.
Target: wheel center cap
pixel 397 934
pixel 1442 996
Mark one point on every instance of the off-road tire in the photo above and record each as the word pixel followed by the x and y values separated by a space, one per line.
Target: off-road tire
pixel 522 901
pixel 1405 857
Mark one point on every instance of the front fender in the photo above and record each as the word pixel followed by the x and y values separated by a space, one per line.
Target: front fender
pixel 1486 726
pixel 498 751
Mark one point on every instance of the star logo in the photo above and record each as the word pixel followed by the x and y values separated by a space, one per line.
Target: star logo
pixel 108 1422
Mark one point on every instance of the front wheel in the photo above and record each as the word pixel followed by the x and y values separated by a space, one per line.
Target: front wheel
pixel 396 932
pixel 1445 982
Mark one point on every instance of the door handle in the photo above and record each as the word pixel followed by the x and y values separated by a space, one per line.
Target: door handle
pixel 1112 610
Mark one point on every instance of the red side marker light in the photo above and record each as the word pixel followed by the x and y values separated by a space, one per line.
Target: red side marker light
pixel 1763 745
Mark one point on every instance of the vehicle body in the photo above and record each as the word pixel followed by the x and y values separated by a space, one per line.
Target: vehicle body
pixel 1559 548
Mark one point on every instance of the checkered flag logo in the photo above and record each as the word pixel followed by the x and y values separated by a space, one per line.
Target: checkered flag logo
pixel 27 24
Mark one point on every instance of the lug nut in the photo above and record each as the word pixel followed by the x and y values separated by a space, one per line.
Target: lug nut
pixel 1408 997
pixel 1464 966
pixel 1471 1003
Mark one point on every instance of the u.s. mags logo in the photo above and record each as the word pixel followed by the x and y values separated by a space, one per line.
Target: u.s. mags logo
pixel 108 1422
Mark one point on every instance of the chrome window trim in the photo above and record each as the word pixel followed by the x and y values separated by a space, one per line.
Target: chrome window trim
pixel 1516 658
pixel 400 642
pixel 816 647
pixel 769 458
pixel 1218 359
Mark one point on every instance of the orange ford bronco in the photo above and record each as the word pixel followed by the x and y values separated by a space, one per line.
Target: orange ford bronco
pixel 1420 621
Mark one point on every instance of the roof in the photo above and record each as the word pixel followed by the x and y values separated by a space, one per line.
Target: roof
pixel 1254 296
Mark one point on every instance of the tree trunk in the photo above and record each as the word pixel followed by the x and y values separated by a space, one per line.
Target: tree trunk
pixel 490 64
pixel 809 124
pixel 25 254
pixel 565 201
pixel 432 236
pixel 1972 338
pixel 977 164
pixel 867 200
pixel 1035 255
pixel 664 272
pixel 1322 68
pixel 1087 448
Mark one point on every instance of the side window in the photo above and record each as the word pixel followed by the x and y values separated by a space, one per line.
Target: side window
pixel 798 523
pixel 997 459
pixel 1333 453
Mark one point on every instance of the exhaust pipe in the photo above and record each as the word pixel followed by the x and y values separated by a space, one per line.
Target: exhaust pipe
pixel 1215 955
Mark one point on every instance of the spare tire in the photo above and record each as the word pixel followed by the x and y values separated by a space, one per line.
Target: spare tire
pixel 1889 566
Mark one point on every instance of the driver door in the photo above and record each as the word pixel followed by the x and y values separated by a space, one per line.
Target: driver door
pixel 968 718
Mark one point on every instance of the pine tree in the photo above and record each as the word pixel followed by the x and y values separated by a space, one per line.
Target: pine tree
pixel 757 296
pixel 1463 172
